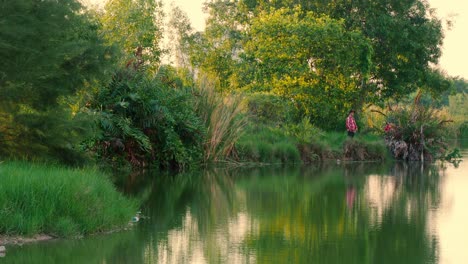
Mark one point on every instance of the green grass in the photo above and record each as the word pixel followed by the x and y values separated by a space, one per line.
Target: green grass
pixel 267 145
pixel 286 152
pixel 59 201
pixel 273 145
pixel 365 147
pixel 333 140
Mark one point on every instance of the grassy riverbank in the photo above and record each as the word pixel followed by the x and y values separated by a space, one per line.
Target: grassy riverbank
pixel 58 201
pixel 306 144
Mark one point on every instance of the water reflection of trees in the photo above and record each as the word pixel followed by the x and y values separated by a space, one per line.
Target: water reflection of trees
pixel 275 215
pixel 186 214
pixel 283 215
pixel 400 218
pixel 312 216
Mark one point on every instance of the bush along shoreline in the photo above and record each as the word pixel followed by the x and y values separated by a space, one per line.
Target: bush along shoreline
pixel 58 202
pixel 418 133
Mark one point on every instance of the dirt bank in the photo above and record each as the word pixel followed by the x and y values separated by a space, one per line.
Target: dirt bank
pixel 19 240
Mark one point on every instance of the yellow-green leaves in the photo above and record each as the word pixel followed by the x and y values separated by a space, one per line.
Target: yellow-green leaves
pixel 135 26
pixel 310 59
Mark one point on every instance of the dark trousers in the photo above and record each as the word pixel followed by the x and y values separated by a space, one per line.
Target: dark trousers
pixel 350 134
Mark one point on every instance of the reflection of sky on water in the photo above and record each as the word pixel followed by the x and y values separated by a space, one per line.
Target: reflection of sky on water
pixel 447 222
pixel 187 245
pixel 225 243
pixel 344 214
pixel 379 192
pixel 451 220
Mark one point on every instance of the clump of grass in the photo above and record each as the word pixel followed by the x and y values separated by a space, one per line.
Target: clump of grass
pixel 59 201
pixel 333 140
pixel 313 143
pixel 265 151
pixel 285 152
pixel 223 120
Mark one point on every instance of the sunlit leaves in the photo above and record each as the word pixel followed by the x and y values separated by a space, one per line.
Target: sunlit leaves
pixel 135 25
pixel 406 38
pixel 310 59
pixel 350 52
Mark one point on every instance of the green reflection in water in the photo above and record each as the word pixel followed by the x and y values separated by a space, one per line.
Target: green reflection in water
pixel 336 213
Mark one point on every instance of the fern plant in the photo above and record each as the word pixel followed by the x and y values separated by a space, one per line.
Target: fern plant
pixel 147 122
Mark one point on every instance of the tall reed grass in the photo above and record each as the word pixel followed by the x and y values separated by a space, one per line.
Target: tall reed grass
pixel 59 201
pixel 223 120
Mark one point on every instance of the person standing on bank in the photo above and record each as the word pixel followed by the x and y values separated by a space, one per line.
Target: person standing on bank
pixel 351 124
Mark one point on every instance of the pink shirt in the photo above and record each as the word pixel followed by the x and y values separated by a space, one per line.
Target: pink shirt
pixel 351 124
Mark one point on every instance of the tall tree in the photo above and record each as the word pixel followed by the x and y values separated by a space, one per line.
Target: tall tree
pixel 216 51
pixel 49 50
pixel 392 47
pixel 180 34
pixel 406 38
pixel 135 26
pixel 312 60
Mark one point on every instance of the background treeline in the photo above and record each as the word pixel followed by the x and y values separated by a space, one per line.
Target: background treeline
pixel 79 85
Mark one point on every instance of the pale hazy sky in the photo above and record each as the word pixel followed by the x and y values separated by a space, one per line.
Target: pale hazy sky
pixel 454 51
pixel 454 58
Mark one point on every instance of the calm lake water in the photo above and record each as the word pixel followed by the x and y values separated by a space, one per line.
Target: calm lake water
pixel 332 213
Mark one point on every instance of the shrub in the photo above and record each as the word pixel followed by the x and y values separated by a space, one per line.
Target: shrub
pixel 286 152
pixel 266 151
pixel 147 122
pixel 421 128
pixel 247 151
pixel 463 130
pixel 304 132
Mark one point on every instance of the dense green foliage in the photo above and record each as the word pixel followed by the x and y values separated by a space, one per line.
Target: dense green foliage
pixel 308 60
pixel 458 106
pixel 262 144
pixel 147 122
pixel 405 36
pixel 37 198
pixel 78 84
pixel 305 143
pixel 324 56
pixel 136 27
pixel 50 52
